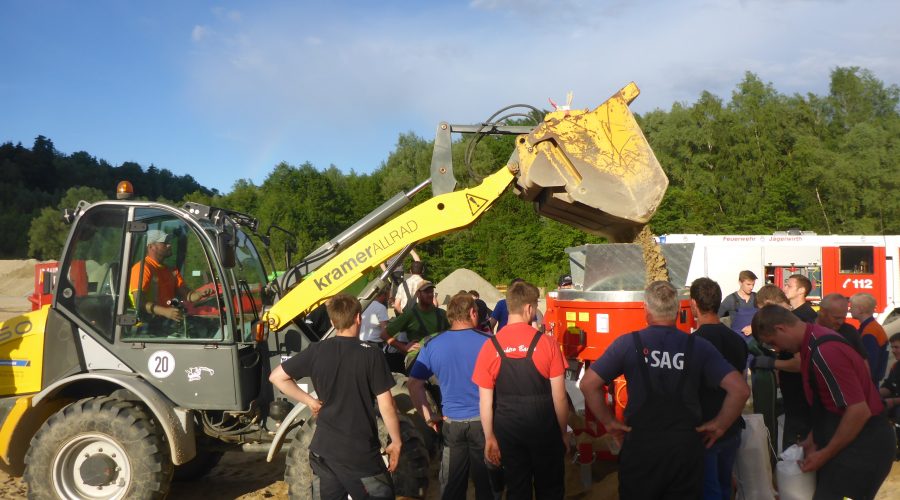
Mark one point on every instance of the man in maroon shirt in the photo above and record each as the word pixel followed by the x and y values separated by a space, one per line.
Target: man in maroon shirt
pixel 851 444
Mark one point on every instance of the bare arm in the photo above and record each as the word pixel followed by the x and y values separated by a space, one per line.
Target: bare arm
pixel 592 388
pixel 852 421
pixel 420 401
pixel 561 406
pixel 486 406
pixel 388 410
pixel 280 379
pixel 736 393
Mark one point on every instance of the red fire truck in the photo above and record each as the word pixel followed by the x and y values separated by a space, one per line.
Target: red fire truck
pixel 606 300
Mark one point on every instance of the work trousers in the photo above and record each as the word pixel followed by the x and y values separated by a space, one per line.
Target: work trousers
pixel 334 481
pixel 534 461
pixel 861 467
pixel 462 458
pixel 661 465
pixel 718 466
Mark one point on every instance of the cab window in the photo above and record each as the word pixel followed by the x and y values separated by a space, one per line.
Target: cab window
pixel 857 260
pixel 89 278
pixel 172 288
pixel 250 278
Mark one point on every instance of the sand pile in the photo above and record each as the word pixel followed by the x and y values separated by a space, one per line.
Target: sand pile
pixel 17 277
pixel 464 279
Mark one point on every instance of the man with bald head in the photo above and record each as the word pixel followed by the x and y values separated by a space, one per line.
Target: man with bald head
pixel 833 315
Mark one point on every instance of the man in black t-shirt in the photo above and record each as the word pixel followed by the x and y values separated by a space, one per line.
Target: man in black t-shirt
pixel 797 422
pixel 719 459
pixel 347 374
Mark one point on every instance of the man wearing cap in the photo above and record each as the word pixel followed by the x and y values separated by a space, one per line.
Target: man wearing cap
pixel 418 321
pixel 565 282
pixel 159 284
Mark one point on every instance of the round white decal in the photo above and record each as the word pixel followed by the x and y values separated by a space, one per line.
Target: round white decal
pixel 161 364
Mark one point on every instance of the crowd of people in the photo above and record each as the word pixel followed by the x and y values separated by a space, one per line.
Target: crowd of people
pixel 492 385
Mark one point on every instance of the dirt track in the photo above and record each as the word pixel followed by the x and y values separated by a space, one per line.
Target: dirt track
pixel 247 476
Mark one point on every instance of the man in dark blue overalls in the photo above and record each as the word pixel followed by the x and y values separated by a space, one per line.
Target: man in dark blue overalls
pixel 663 435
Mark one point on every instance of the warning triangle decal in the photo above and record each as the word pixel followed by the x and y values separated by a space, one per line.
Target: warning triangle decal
pixel 475 203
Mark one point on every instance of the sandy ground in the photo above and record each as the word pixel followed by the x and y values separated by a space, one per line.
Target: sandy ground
pixel 247 476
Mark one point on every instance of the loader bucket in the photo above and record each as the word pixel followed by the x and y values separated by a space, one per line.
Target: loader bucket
pixel 593 170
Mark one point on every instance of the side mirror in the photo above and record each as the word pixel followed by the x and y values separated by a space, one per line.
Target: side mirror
pixel 225 243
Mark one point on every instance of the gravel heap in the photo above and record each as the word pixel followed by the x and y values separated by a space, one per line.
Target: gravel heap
pixel 464 279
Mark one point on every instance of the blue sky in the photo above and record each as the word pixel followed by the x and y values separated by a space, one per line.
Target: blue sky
pixel 226 90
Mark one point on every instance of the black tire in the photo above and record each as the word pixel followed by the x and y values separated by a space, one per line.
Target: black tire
pixel 116 435
pixel 406 407
pixel 198 466
pixel 410 478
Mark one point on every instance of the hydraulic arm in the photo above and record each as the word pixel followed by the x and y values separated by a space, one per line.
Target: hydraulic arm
pixel 590 169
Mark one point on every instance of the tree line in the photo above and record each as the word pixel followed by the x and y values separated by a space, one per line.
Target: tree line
pixel 759 162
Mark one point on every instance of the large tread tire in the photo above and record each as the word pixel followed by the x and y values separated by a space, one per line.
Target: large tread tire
pixel 410 478
pixel 405 406
pixel 121 432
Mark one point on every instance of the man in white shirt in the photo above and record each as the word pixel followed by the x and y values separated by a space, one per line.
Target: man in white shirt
pixel 373 328
pixel 408 288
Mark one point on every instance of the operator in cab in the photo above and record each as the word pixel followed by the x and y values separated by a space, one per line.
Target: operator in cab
pixel 155 288
pixel 663 436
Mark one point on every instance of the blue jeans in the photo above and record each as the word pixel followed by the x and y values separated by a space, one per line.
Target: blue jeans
pixel 718 464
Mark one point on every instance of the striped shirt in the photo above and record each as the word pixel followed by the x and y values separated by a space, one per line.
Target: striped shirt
pixel 841 374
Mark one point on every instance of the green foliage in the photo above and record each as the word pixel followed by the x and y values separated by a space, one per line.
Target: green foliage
pixel 765 162
pixel 48 232
pixel 35 179
pixel 758 162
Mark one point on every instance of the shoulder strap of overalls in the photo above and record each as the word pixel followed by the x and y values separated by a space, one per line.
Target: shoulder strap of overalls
pixel 642 360
pixel 534 341
pixel 497 347
pixel 686 362
pixel 814 344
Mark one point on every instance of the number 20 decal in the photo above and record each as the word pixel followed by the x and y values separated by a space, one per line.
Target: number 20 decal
pixel 161 364
pixel 858 283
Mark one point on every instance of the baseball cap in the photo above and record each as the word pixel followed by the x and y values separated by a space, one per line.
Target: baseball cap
pixel 157 236
pixel 565 280
pixel 424 286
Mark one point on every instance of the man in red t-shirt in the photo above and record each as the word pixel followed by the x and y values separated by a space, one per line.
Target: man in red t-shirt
pixel 159 284
pixel 525 428
pixel 851 444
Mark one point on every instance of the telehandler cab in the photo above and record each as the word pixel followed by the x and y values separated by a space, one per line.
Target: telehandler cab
pixel 103 397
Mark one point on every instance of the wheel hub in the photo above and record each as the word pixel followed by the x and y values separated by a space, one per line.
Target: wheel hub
pixel 98 470
pixel 91 466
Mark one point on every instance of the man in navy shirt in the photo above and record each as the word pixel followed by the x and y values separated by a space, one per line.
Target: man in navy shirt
pixel 663 432
pixel 450 356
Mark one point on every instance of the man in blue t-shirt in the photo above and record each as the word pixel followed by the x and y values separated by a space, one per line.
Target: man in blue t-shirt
pixel 663 432
pixel 450 356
